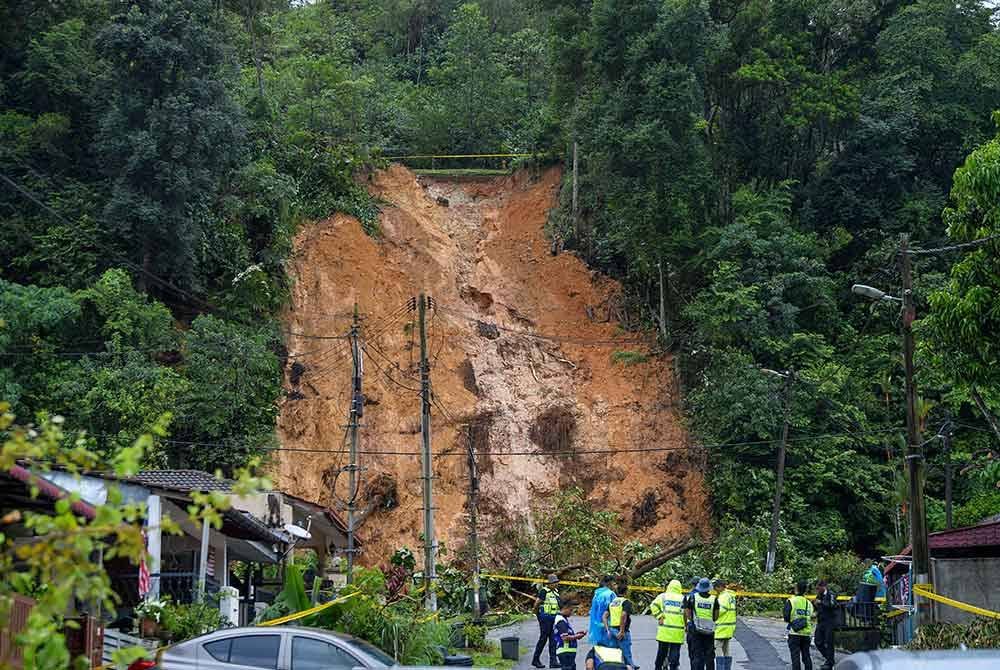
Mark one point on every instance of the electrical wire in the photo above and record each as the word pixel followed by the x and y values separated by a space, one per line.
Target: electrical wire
pixel 953 247
pixel 625 450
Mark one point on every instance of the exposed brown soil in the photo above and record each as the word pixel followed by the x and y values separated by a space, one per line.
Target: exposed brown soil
pixel 521 340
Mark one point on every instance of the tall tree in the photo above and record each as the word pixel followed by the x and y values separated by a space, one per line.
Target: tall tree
pixel 171 133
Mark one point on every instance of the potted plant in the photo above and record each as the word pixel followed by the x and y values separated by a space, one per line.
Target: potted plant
pixel 150 615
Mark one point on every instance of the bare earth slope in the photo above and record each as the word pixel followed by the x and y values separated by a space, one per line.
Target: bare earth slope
pixel 520 341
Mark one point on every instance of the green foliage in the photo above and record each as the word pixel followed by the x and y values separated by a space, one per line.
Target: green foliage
pixel 167 104
pixel 629 358
pixel 402 628
pixel 185 621
pixel 57 564
pixel 982 633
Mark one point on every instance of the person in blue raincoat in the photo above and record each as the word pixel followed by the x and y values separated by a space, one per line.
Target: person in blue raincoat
pixel 596 633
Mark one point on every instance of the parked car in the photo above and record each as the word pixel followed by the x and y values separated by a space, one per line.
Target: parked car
pixel 272 648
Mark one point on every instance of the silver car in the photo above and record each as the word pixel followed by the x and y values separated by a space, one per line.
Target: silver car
pixel 274 648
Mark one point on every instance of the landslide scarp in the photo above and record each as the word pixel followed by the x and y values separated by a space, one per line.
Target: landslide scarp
pixel 522 346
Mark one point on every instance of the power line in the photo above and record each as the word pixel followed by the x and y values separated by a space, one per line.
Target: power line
pixel 570 452
pixel 953 247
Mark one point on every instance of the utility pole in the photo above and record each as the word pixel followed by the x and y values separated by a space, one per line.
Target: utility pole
pixel 914 450
pixel 430 542
pixel 477 611
pixel 357 408
pixel 779 475
pixel 948 473
pixel 663 304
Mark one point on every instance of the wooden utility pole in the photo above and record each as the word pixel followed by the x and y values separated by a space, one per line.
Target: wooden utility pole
pixel 430 542
pixel 914 450
pixel 779 475
pixel 663 303
pixel 576 191
pixel 948 473
pixel 357 408
pixel 477 610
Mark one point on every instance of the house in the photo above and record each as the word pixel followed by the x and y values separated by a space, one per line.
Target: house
pixel 254 533
pixel 965 566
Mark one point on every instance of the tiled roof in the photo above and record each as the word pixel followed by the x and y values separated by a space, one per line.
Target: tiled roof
pixel 181 480
pixel 985 534
pixel 982 535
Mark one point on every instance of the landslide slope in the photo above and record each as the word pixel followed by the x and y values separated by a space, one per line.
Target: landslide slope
pixel 522 344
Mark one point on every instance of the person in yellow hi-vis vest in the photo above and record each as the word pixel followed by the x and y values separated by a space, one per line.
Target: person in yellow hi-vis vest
pixel 725 625
pixel 619 621
pixel 798 613
pixel 668 610
pixel 701 611
pixel 547 606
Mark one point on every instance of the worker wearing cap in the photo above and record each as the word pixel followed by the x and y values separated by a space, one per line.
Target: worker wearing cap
pixel 547 606
pixel 725 625
pixel 668 610
pixel 700 614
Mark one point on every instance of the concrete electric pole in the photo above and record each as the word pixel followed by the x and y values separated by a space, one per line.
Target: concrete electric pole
pixel 430 542
pixel 357 408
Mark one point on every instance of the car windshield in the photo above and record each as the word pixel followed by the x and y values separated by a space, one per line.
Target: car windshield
pixel 374 652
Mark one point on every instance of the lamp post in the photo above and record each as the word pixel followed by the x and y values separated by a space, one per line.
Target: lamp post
pixel 779 474
pixel 914 450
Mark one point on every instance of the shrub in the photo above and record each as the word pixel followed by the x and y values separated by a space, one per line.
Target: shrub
pixel 981 633
pixel 183 622
pixel 629 358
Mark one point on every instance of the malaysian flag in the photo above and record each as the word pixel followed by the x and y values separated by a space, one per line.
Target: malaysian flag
pixel 144 584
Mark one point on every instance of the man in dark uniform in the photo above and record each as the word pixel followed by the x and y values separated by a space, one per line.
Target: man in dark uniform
pixel 826 618
pixel 689 604
pixel 547 606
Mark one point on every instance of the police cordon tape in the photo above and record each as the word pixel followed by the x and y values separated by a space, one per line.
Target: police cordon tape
pixel 926 591
pixel 650 589
pixel 312 610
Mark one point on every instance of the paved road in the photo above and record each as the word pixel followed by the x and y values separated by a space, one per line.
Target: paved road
pixel 759 644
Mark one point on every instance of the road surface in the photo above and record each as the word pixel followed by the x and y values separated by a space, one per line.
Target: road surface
pixel 759 644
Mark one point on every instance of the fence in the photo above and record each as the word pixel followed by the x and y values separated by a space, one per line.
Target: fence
pixel 10 652
pixel 471 164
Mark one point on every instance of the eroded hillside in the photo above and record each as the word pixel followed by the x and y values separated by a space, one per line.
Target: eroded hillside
pixel 521 342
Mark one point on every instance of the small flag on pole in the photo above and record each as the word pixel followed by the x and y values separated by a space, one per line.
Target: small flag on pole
pixel 144 581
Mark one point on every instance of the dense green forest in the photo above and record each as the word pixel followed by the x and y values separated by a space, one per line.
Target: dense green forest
pixel 761 155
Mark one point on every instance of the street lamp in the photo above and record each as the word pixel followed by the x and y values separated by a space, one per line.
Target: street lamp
pixel 779 475
pixel 873 293
pixel 914 450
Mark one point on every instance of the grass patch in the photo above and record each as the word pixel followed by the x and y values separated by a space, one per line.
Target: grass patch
pixel 629 358
pixel 492 659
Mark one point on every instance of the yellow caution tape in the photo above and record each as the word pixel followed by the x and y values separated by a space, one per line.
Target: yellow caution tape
pixel 896 613
pixel 926 591
pixel 466 156
pixel 305 613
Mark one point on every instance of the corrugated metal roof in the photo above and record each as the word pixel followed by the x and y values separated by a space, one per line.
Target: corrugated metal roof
pixel 181 480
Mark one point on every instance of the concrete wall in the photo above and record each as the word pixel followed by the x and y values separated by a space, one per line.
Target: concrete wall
pixel 972 580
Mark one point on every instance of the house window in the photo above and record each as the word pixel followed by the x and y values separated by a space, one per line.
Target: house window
pixel 256 651
pixel 310 654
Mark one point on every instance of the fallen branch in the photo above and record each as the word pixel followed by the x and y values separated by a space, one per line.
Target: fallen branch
pixel 659 559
